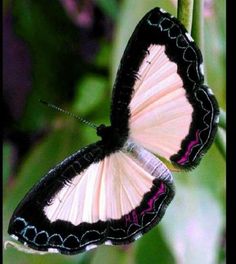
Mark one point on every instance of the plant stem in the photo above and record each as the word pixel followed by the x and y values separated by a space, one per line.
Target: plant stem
pixel 185 13
pixel 222 121
pixel 220 142
pixel 198 23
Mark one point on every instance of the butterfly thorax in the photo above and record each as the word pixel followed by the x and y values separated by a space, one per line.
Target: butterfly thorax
pixel 111 138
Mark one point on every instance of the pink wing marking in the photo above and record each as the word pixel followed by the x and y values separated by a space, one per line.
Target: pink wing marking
pixel 160 111
pixel 106 190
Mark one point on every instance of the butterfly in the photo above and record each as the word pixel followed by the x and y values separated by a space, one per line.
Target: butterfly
pixel 115 190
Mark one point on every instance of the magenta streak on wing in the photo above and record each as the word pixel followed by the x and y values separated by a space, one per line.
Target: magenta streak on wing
pixel 159 192
pixel 127 219
pixel 184 159
pixel 135 217
pixel 131 217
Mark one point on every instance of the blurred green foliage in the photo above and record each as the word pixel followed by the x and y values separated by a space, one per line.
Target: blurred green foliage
pixel 192 229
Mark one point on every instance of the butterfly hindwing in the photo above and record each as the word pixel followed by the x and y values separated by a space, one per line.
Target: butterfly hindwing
pixel 90 199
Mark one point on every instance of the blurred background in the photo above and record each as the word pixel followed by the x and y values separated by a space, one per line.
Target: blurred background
pixel 67 52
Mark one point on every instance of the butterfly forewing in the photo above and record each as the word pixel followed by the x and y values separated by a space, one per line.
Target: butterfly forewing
pixel 160 78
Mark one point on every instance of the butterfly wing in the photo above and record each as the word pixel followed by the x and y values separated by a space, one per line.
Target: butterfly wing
pixel 159 96
pixel 90 199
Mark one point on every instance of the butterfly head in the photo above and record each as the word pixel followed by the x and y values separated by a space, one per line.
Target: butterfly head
pixel 106 133
pixel 110 137
pixel 103 130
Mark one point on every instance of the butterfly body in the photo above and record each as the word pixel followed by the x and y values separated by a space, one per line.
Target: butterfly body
pixel 113 191
pixel 111 139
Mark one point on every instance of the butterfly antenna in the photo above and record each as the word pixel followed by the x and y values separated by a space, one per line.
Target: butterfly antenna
pixel 70 114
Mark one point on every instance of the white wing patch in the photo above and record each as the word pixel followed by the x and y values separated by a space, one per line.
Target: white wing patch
pixel 106 190
pixel 160 112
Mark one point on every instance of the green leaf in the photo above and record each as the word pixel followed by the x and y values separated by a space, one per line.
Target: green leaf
pixel 152 248
pixel 102 58
pixel 111 254
pixel 90 93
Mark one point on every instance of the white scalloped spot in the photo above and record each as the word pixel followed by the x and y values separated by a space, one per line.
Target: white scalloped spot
pixel 53 250
pixel 108 243
pixel 137 236
pixel 201 68
pixel 210 91
pixel 217 119
pixel 14 237
pixel 89 247
pixel 162 11
pixel 189 37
